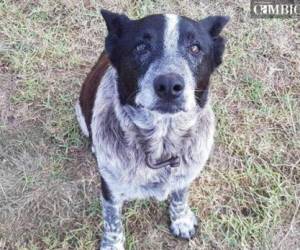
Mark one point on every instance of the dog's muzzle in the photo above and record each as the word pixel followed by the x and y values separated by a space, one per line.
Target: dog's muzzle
pixel 169 90
pixel 169 86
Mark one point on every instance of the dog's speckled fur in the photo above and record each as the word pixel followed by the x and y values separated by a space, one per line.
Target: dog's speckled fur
pixel 123 134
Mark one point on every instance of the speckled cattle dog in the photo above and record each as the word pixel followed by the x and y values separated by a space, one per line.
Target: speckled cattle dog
pixel 145 107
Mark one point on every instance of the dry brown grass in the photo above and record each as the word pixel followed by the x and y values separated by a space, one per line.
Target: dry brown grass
pixel 248 196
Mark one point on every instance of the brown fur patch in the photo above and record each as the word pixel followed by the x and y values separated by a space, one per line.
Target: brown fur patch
pixel 90 86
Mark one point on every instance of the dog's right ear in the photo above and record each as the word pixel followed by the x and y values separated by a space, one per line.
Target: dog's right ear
pixel 214 25
pixel 115 23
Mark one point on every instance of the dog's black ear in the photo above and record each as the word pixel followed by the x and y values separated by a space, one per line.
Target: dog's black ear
pixel 116 26
pixel 214 24
pixel 115 23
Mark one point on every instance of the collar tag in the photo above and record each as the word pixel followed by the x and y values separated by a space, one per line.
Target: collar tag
pixel 173 162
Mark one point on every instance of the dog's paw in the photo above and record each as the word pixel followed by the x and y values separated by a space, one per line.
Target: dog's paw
pixel 115 246
pixel 112 241
pixel 185 226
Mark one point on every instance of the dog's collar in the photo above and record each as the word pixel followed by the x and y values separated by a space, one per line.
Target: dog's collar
pixel 173 161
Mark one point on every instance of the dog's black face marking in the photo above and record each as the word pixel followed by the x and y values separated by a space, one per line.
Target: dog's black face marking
pixel 204 35
pixel 159 46
pixel 132 46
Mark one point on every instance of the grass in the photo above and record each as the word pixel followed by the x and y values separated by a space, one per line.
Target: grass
pixel 248 196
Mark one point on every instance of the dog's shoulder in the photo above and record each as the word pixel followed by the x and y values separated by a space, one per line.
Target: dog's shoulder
pixel 90 86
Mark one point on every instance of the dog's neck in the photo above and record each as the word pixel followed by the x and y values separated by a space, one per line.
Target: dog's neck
pixel 146 122
pixel 152 131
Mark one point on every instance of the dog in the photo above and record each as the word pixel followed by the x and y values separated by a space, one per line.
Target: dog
pixel 145 106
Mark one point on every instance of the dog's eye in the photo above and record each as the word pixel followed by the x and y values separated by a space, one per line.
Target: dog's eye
pixel 141 48
pixel 194 49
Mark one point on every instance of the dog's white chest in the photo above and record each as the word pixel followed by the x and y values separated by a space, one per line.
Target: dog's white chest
pixel 122 163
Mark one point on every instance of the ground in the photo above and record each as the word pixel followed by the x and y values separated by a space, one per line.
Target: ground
pixel 248 195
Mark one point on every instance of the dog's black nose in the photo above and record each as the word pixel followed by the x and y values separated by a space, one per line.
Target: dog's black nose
pixel 169 86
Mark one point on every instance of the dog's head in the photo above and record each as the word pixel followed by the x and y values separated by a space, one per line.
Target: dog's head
pixel 164 62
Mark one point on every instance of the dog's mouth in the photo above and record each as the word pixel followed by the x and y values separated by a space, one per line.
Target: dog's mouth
pixel 165 106
pixel 168 107
pixel 164 109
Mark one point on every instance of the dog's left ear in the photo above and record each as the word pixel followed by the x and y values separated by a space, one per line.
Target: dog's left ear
pixel 116 26
pixel 214 25
pixel 115 23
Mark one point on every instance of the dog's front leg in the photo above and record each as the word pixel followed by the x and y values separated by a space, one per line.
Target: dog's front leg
pixel 113 234
pixel 183 220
